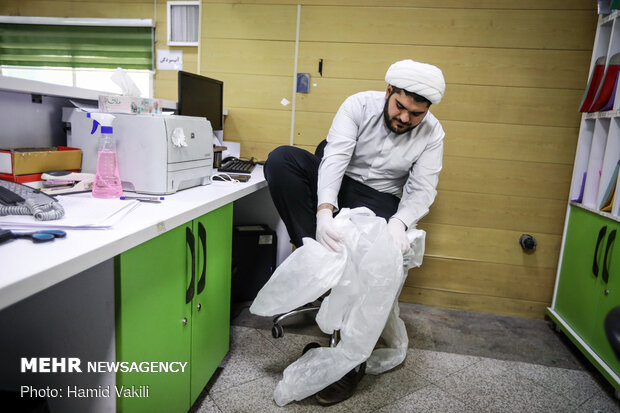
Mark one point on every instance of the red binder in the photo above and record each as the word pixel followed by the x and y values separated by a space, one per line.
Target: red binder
pixel 593 84
pixel 607 88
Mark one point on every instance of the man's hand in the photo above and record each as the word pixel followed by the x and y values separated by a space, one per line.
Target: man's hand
pixel 326 233
pixel 398 231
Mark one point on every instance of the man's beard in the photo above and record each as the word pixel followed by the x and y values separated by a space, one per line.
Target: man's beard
pixel 388 120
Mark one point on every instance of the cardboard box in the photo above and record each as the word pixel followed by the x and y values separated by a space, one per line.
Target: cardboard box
pixel 16 162
pixel 129 104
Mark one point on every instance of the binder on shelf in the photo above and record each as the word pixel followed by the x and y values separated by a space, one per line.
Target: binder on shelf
pixel 579 199
pixel 593 84
pixel 607 85
pixel 608 197
pixel 607 206
pixel 610 103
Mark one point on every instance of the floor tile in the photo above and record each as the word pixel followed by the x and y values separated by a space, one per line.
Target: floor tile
pixel 487 386
pixel 576 385
pixel 207 406
pixel 434 365
pixel 374 392
pixel 250 356
pixel 487 335
pixel 256 396
pixel 428 399
pixel 600 403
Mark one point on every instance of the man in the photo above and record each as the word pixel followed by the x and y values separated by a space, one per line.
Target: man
pixel 383 151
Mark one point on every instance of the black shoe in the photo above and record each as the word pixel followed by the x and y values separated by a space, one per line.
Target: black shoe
pixel 310 346
pixel 342 389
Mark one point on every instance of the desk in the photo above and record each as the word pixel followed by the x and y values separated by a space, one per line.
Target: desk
pixel 29 268
pixel 58 298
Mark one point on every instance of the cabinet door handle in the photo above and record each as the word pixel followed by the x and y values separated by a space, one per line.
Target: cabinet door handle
pixel 189 238
pixel 610 240
pixel 601 234
pixel 202 235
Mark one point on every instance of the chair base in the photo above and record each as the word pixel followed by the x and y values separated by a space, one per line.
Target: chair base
pixel 277 331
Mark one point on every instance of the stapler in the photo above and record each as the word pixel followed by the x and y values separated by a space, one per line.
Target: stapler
pixel 65 182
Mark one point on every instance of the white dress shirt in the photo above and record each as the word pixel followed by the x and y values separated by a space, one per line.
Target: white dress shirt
pixel 360 145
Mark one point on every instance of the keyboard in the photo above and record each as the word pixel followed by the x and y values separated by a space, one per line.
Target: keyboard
pixel 236 166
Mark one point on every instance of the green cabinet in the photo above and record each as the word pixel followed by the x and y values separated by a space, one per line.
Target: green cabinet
pixel 588 285
pixel 172 305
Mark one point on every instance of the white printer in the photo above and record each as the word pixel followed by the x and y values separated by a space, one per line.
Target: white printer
pixel 157 154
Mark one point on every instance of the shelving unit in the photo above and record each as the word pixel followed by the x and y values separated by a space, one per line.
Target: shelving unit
pixel 588 278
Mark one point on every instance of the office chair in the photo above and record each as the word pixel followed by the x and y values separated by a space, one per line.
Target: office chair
pixel 277 330
pixel 612 329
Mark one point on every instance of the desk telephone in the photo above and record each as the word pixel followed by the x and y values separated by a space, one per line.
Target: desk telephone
pixel 234 165
pixel 18 199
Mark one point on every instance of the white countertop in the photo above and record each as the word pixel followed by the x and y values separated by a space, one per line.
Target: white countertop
pixel 28 268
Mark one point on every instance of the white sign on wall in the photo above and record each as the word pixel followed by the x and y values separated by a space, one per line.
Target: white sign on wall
pixel 169 59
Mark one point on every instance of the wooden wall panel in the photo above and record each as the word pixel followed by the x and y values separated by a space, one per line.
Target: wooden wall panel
pixel 510 142
pixel 477 302
pixel 113 9
pixel 249 21
pixel 268 126
pixel 471 65
pixel 251 47
pixel 256 57
pixel 472 139
pixel 483 278
pixel 256 150
pixel 311 127
pixel 471 103
pixel 489 245
pixel 546 29
pixel 470 4
pixel 254 91
pixel 509 212
pixel 516 178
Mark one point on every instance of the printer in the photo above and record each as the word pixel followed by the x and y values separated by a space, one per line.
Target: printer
pixel 157 154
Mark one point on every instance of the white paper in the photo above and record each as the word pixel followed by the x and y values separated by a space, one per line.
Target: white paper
pixel 86 107
pixel 232 149
pixel 80 213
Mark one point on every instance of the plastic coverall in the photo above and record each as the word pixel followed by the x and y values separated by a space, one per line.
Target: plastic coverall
pixel 365 279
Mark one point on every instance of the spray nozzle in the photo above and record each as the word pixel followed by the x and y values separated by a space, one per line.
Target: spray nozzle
pixel 103 119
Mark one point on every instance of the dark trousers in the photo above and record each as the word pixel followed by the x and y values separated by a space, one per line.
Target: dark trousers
pixel 292 174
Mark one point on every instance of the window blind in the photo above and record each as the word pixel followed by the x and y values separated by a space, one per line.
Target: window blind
pixel 76 46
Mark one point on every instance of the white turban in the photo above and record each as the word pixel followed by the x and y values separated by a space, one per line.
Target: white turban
pixel 421 78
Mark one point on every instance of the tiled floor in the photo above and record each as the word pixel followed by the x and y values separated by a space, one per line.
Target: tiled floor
pixel 457 362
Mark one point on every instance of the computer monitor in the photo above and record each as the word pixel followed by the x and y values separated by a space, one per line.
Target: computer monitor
pixel 201 96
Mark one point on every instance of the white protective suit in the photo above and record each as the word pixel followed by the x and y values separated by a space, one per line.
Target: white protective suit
pixel 365 279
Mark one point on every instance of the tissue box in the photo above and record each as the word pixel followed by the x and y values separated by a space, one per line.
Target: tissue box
pixel 129 104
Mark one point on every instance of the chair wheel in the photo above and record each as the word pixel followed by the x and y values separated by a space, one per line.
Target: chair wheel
pixel 309 346
pixel 277 331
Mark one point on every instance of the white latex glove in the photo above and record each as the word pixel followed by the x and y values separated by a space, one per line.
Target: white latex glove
pixel 326 233
pixel 398 231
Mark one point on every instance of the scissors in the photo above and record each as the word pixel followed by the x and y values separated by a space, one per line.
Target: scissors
pixel 44 235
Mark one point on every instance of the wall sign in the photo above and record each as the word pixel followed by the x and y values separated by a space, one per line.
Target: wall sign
pixel 169 59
